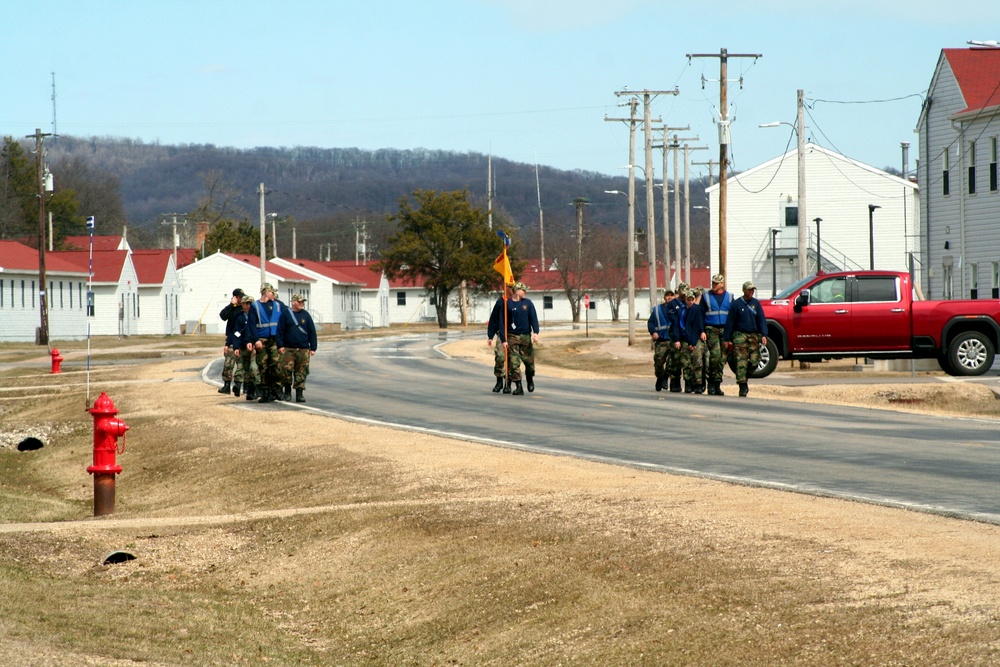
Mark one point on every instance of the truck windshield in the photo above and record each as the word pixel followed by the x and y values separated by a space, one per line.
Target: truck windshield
pixel 793 289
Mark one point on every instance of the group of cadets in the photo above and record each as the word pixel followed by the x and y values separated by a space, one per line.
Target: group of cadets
pixel 512 334
pixel 691 323
pixel 268 346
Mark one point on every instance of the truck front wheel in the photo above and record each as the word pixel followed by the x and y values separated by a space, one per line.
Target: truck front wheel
pixel 970 353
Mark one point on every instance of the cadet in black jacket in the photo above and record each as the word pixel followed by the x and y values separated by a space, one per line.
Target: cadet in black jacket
pixel 296 344
pixel 228 315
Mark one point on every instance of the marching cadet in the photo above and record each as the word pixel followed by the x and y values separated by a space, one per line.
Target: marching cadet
pixel 715 306
pixel 658 326
pixel 264 316
pixel 246 356
pixel 693 348
pixel 675 362
pixel 494 340
pixel 522 333
pixel 296 341
pixel 228 315
pixel 746 331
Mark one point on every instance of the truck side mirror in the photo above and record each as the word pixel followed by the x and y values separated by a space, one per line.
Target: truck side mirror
pixel 801 300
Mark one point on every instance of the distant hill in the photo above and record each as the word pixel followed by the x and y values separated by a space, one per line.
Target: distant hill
pixel 321 187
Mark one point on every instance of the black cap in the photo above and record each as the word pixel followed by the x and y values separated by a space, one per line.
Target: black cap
pixel 237 292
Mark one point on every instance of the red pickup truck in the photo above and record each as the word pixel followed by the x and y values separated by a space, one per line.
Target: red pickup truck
pixel 874 314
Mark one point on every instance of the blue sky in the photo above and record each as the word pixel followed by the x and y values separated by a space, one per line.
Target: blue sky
pixel 528 80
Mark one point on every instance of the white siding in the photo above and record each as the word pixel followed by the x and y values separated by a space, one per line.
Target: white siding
pixel 839 191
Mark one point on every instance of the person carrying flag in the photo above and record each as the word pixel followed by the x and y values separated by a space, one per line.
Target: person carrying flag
pixel 496 329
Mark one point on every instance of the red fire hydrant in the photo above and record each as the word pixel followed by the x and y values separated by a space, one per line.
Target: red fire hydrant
pixel 56 360
pixel 107 430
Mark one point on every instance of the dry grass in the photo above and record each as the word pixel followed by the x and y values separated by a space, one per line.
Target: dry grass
pixel 338 544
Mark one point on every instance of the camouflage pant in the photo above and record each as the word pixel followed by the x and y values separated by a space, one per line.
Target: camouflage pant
pixel 229 365
pixel 246 369
pixel 693 360
pixel 675 362
pixel 294 367
pixel 746 350
pixel 267 363
pixel 717 356
pixel 661 352
pixel 520 348
pixel 499 358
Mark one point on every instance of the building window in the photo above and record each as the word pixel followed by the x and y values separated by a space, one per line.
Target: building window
pixel 945 180
pixel 547 303
pixel 995 283
pixel 60 294
pixel 400 298
pixel 1 292
pixel 972 167
pixel 33 293
pixel 974 280
pixel 592 305
pixel 993 164
pixel 948 282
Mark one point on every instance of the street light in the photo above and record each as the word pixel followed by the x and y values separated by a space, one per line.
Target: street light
pixel 871 235
pixel 774 262
pixel 819 246
pixel 631 264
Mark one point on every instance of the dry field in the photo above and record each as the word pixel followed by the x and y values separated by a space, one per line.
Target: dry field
pixel 274 536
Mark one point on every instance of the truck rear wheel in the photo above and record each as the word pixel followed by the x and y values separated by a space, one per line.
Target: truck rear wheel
pixel 768 361
pixel 970 353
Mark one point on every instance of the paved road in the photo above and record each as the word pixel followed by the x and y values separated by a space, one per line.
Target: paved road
pixel 942 465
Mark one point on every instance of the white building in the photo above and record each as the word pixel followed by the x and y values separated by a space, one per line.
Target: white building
pixel 115 286
pixel 957 171
pixel 762 206
pixel 206 287
pixel 20 308
pixel 159 292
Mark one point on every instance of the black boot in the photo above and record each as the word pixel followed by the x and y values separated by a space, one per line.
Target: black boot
pixel 224 389
pixel 498 386
pixel 518 389
pixel 744 389
pixel 298 396
pixel 700 387
pixel 711 387
pixel 675 385
pixel 251 391
pixel 688 387
pixel 266 395
pixel 506 387
pixel 531 381
pixel 288 393
pixel 236 389
pixel 718 389
pixel 659 383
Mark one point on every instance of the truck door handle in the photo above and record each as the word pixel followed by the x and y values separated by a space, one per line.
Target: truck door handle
pixel 897 310
pixel 842 311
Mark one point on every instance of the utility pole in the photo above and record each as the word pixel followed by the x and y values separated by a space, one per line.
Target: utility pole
pixel 294 256
pixel 665 146
pixel 647 129
pixel 44 182
pixel 710 163
pixel 274 234
pixel 173 238
pixel 263 234
pixel 687 204
pixel 633 103
pixel 724 137
pixel 541 218
pixel 579 202
pixel 802 217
